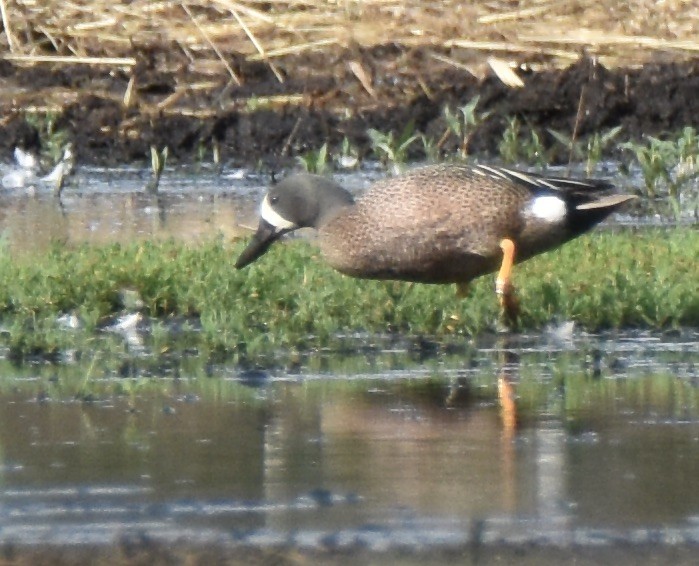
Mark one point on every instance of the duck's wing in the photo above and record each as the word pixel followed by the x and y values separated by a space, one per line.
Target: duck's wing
pixel 538 183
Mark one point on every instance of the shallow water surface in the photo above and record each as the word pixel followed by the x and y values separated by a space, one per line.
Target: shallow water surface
pixel 527 439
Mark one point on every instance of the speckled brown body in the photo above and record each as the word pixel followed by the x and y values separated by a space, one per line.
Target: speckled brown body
pixel 437 224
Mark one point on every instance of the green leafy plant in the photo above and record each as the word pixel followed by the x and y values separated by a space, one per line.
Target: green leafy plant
pixel 391 149
pixel 53 139
pixel 315 161
pixel 514 147
pixel 589 150
pixel 669 168
pixel 431 148
pixel 509 144
pixel 157 164
pixel 463 123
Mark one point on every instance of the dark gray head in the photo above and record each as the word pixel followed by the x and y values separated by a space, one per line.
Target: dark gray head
pixel 298 201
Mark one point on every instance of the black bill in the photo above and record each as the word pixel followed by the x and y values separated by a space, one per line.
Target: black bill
pixel 265 236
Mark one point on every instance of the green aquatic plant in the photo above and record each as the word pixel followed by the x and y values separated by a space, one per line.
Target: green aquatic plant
pixel 670 168
pixel 589 150
pixel 464 122
pixel 204 146
pixel 431 149
pixel 53 140
pixel 157 161
pixel 515 147
pixel 596 146
pixel 509 144
pixel 391 149
pixel 315 161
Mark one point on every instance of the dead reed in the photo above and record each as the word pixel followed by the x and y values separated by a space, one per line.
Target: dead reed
pixel 210 32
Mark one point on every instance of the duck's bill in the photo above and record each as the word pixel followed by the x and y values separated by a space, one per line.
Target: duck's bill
pixel 265 236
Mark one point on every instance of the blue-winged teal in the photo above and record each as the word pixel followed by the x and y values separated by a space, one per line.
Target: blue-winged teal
pixel 436 224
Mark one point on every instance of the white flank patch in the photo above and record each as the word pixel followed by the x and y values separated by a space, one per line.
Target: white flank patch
pixel 273 217
pixel 549 208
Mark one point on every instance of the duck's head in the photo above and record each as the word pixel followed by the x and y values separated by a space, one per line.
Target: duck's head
pixel 298 201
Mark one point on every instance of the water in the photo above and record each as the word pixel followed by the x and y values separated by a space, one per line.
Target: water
pixel 385 448
pixel 103 205
pixel 380 444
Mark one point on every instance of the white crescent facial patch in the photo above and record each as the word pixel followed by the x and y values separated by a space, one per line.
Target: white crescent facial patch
pixel 548 208
pixel 272 217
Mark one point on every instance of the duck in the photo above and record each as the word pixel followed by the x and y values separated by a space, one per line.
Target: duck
pixel 438 224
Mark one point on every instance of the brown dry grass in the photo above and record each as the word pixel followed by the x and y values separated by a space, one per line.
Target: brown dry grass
pixel 209 32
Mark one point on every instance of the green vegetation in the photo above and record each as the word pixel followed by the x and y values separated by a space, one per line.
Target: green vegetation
pixel 320 162
pixel 315 161
pixel 349 155
pixel 52 140
pixel 291 299
pixel 517 148
pixel 464 123
pixel 670 169
pixel 393 150
pixel 590 150
pixel 157 164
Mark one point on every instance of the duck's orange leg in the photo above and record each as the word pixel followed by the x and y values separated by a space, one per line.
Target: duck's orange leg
pixel 503 284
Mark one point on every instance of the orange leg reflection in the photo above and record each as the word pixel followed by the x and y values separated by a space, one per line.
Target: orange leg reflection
pixel 507 395
pixel 508 406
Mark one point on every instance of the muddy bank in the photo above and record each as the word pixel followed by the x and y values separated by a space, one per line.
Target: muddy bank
pixel 142 550
pixel 114 114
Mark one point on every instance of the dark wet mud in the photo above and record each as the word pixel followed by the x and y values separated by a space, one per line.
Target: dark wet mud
pixel 321 100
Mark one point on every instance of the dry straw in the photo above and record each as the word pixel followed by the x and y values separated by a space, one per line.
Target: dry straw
pixel 273 28
pixel 215 35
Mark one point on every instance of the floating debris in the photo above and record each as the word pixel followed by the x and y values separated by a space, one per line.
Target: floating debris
pixel 27 173
pixel 25 159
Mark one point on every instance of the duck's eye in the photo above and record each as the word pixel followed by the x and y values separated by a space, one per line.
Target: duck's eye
pixel 273 200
